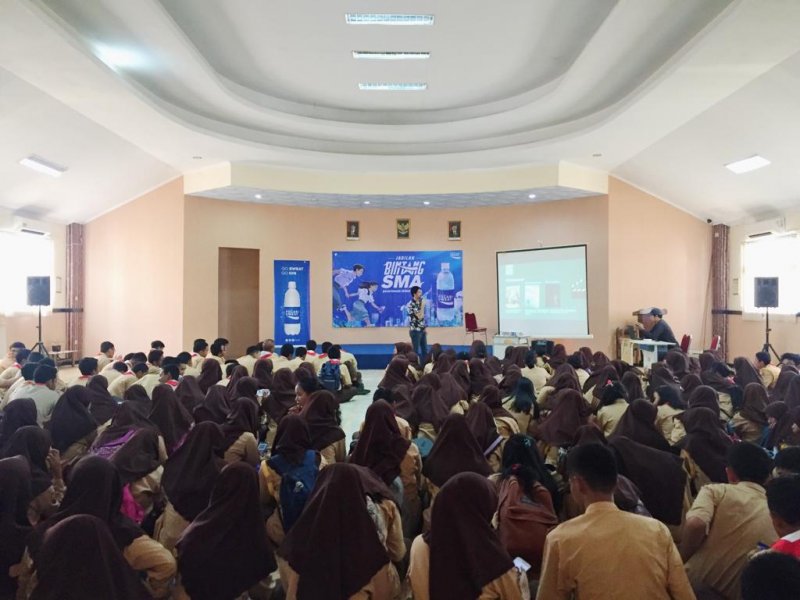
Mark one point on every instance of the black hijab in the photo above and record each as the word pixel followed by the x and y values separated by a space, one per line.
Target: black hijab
pixel 139 456
pixel 191 472
pixel 170 416
pixel 346 552
pixel 33 443
pixel 18 413
pixel 225 550
pixel 71 420
pixel 455 451
pixel 102 405
pixel 465 550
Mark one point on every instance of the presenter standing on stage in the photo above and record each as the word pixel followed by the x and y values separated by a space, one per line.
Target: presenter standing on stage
pixel 416 315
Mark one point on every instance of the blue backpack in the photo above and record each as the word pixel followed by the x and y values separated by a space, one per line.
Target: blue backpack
pixel 297 483
pixel 330 376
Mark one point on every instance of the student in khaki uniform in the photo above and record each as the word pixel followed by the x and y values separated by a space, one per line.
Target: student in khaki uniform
pixel 199 352
pixel 121 384
pixel 248 361
pixel 88 368
pixel 12 373
pixel 106 356
pixel 769 372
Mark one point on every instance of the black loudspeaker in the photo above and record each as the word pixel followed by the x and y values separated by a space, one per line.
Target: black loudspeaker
pixel 38 291
pixel 766 292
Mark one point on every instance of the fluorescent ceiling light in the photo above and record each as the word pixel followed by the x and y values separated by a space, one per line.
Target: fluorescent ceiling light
pixel 531 196
pixel 365 54
pixel 366 201
pixel 748 164
pixel 393 87
pixel 387 19
pixel 426 202
pixel 119 58
pixel 258 196
pixel 37 163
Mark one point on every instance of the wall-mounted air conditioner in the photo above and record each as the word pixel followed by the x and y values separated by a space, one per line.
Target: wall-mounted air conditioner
pixel 766 227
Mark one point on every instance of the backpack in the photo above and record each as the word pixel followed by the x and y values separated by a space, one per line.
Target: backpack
pixel 330 376
pixel 297 483
pixel 524 523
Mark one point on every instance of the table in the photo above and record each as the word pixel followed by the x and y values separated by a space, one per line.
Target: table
pixel 649 350
pixel 64 355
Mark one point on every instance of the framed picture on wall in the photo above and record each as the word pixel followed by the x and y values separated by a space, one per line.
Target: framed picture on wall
pixel 403 229
pixel 453 230
pixel 353 230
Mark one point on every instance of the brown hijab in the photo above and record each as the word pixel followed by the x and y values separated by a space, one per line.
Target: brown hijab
pixel 565 377
pixel 481 423
pixel 33 444
pixel 170 416
pixel 428 406
pixel 782 432
pixel 381 447
pixel 455 451
pixel 225 550
pixel 67 549
pixel 334 545
pixel 510 379
pixel 263 372
pixel 71 420
pixel 139 456
pixel 136 397
pixel 189 393
pixel 320 415
pixel 706 397
pixel 479 377
pixel 460 373
pixel 754 405
pixel 465 550
pixel 18 413
pixel 639 424
pixel 570 411
pixel 238 372
pixel 792 395
pixel 282 395
pixel 243 418
pixel 678 363
pixel 490 396
pixel 15 495
pixel 745 372
pixel 443 363
pixel 787 373
pixel 210 374
pixel 705 442
pixel 689 383
pixel 396 373
pixel 451 393
pixel 633 386
pixel 292 439
pixel 214 408
pixel 191 472
pixel 102 405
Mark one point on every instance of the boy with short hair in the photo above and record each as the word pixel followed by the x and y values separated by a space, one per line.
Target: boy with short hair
pixel 783 499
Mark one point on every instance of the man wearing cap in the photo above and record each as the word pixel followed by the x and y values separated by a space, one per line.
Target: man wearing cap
pixel 654 327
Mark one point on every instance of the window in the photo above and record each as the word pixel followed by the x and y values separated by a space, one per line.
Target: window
pixel 28 256
pixel 774 256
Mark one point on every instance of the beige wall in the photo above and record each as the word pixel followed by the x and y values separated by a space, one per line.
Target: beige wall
pixel 658 256
pixel 134 273
pixel 283 232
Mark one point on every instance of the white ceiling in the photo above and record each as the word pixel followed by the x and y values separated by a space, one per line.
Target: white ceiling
pixel 664 91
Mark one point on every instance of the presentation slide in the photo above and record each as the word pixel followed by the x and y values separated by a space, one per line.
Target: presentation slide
pixel 542 292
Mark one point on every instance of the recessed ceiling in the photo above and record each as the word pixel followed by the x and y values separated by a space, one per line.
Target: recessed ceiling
pixel 660 93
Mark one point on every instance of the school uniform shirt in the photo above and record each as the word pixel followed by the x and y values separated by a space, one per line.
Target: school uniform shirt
pixel 248 362
pixel 666 423
pixel 191 371
pixel 197 360
pixel 278 362
pixel 769 375
pixel 18 390
pixel 10 375
pixel 537 375
pixel 44 398
pixel 152 369
pixel 220 360
pixel 609 416
pixel 583 375
pixel 788 544
pixel 149 382
pixel 347 357
pixel 102 362
pixel 737 520
pixel 82 381
pixel 111 375
pixel 120 385
pixel 583 557
pixel 312 358
pixel 5 363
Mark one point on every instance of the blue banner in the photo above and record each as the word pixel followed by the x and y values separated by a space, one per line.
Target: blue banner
pixel 372 289
pixel 292 308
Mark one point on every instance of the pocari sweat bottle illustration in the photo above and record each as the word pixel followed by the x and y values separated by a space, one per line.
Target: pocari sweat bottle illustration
pixel 445 294
pixel 291 310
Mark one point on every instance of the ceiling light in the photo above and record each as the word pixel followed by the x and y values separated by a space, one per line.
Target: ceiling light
pixel 748 164
pixel 387 19
pixel 393 87
pixel 367 55
pixel 118 58
pixel 197 157
pixel 37 163
pixel 531 196
pixel 366 201
pixel 426 203
pixel 258 196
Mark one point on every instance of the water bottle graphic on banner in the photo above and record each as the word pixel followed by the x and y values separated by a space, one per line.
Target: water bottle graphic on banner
pixel 291 310
pixel 445 294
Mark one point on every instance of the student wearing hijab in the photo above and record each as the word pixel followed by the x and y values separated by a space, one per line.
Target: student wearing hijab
pixel 429 411
pixel 792 395
pixel 137 398
pixel 460 373
pixel 706 397
pixel 633 386
pixel 678 363
pixel 214 408
pixel 18 413
pixel 15 495
pixel 598 380
pixel 170 416
pixel 511 375
pixel 506 422
pixel 462 556
pixel 322 418
pixel 484 427
pixel 705 447
pixel 613 405
pixel 102 405
pixel 396 373
pixel 443 363
pixel 452 394
pixel 282 398
pixel 787 373
pixel 688 384
pixel 210 374
pixel 720 378
pixel 66 551
pixel 639 424
pixel 750 422
pixel 564 378
pixel 569 413
pixel 262 371
pixel 343 544
pixel 47 482
pixel 746 373
pixel 669 405
pixel 779 421
pixel 225 551
pixel 139 462
pixel 189 477
pixel 455 451
pixel 291 451
pixel 240 430
pixel 72 427
pixel 189 393
pixel 480 377
pixel 521 404
pixel 96 489
pixel 126 422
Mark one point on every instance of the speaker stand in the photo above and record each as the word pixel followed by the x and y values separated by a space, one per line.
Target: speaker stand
pixel 767 346
pixel 39 345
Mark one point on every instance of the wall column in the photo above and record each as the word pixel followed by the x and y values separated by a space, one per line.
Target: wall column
pixel 75 279
pixel 720 265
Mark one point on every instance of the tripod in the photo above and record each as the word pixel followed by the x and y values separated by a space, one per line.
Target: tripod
pixel 39 346
pixel 767 346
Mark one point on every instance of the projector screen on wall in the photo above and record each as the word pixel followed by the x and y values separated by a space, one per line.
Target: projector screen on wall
pixel 542 292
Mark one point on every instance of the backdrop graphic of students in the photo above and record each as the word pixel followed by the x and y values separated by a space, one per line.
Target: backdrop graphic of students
pixel 342 279
pixel 366 299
